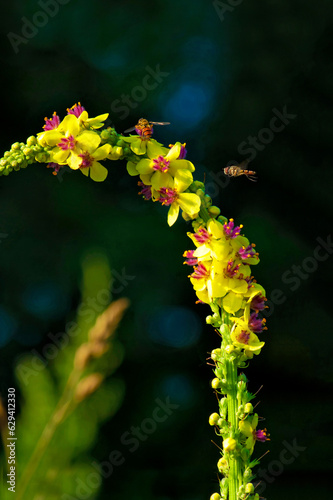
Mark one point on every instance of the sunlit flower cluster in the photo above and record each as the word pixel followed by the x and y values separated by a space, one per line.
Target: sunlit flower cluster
pixel 165 177
pixel 75 142
pixel 222 275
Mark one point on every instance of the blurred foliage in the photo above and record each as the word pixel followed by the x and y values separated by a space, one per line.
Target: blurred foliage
pixel 225 78
pixel 63 403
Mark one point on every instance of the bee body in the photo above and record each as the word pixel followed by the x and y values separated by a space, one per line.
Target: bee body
pixel 144 128
pixel 238 170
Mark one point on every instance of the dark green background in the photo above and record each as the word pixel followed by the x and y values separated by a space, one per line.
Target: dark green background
pixel 223 79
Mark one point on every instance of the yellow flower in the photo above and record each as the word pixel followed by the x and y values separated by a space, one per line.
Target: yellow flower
pixel 88 159
pixel 243 337
pixel 176 199
pixel 248 427
pixel 140 145
pixel 160 170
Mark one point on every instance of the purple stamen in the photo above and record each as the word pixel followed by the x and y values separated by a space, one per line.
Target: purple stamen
pixel 145 191
pixel 230 230
pixel 190 259
pixel 161 164
pixel 243 337
pixel 200 272
pixel 76 110
pixel 247 252
pixel 52 123
pixel 202 235
pixel 67 143
pixel 256 324
pixel 168 196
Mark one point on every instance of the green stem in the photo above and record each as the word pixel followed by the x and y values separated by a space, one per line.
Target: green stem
pixel 204 214
pixel 234 471
pixel 64 407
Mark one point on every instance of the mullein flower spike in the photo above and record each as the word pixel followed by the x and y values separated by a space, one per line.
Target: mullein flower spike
pixel 221 260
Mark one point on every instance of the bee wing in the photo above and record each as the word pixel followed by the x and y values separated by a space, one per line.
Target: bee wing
pixel 129 130
pixel 159 123
pixel 232 163
pixel 243 165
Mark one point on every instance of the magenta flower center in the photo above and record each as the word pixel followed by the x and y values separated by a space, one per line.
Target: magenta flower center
pixel 67 143
pixel 52 123
pixel 230 271
pixel 200 272
pixel 261 435
pixel 87 160
pixel 161 164
pixel 202 235
pixel 243 337
pixel 256 324
pixel 247 252
pixel 145 191
pixel 168 196
pixel 230 230
pixel 190 259
pixel 76 110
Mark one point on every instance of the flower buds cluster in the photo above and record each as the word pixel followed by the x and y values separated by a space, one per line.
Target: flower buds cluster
pixel 21 155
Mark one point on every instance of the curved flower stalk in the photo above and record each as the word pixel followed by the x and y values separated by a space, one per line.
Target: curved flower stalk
pixel 221 260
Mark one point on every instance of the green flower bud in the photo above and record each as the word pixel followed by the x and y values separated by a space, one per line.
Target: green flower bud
pixel 240 410
pixel 248 474
pixel 248 408
pixel 121 143
pixel 225 331
pixel 209 320
pixel 216 383
pixel 27 151
pixel 215 496
pixel 31 140
pixel 16 145
pixel 213 419
pixel 41 157
pixel 229 349
pixel 214 211
pixel 207 200
pixel 216 354
pixel 222 219
pixel 197 185
pixel 222 465
pixel 229 444
pixel 200 193
pixel 249 488
pixel 105 134
pixel 117 150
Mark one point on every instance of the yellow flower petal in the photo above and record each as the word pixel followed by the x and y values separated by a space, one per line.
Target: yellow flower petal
pixel 98 173
pixel 173 213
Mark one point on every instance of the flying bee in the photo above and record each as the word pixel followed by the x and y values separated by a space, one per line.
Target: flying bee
pixel 144 128
pixel 237 170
